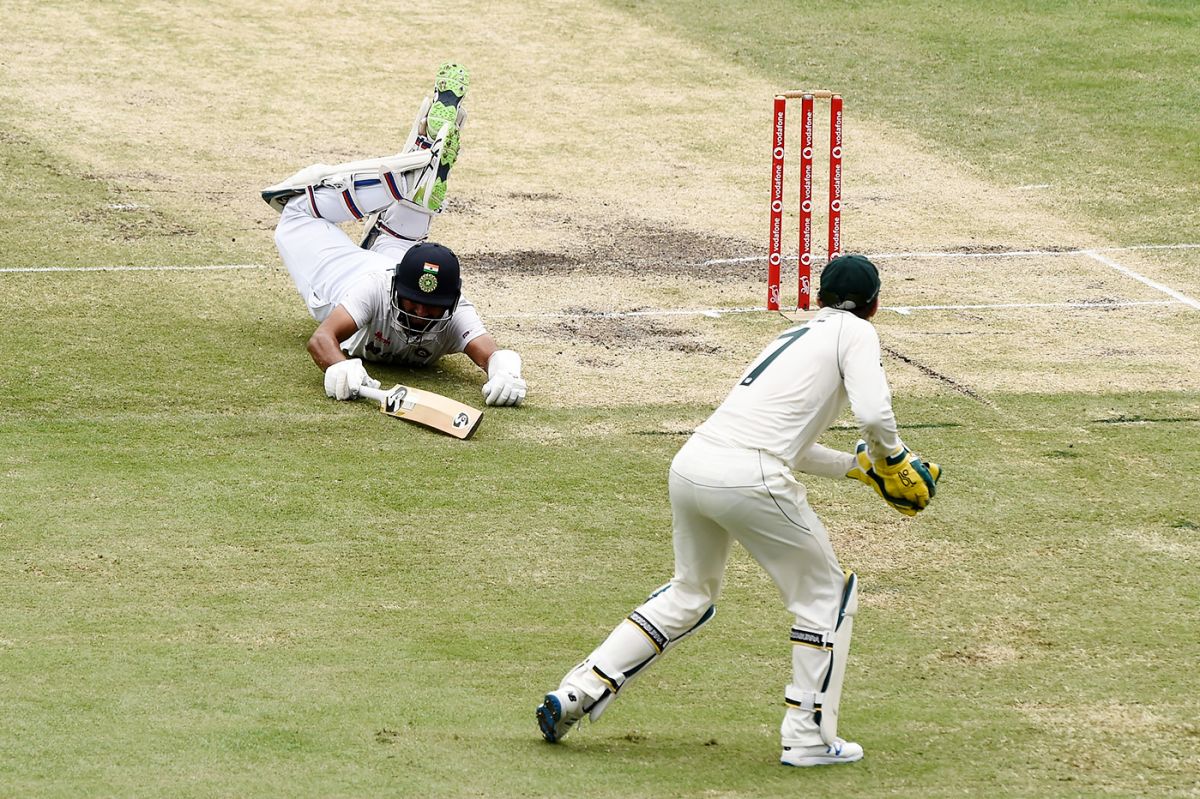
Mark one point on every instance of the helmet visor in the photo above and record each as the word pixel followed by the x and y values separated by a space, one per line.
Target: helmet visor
pixel 416 320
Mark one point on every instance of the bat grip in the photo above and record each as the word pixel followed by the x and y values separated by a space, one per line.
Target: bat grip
pixel 376 394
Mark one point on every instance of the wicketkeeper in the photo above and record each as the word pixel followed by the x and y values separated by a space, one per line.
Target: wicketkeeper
pixel 733 481
pixel 395 297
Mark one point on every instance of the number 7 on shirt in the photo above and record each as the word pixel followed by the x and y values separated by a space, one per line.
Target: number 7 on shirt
pixel 788 338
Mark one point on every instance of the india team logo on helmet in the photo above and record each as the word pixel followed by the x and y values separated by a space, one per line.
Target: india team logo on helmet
pixel 426 287
pixel 428 281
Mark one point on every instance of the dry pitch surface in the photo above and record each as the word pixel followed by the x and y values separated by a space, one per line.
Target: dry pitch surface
pixel 604 169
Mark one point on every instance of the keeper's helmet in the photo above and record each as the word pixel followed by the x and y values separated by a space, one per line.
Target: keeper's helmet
pixel 849 282
pixel 426 288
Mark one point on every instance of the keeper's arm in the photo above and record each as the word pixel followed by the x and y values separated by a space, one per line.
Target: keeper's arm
pixel 870 397
pixel 822 461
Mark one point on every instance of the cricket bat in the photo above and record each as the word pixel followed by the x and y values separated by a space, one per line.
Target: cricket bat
pixel 424 407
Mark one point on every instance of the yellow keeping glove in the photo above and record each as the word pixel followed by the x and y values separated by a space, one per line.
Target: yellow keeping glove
pixel 902 480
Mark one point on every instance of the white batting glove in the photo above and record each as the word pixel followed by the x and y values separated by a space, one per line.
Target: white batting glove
pixel 343 378
pixel 504 385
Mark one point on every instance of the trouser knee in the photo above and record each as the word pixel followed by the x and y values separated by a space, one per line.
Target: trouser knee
pixel 677 609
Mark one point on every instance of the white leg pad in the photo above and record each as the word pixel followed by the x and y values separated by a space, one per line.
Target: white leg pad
pixel 391 171
pixel 818 669
pixel 827 716
pixel 427 177
pixel 628 651
pixel 418 127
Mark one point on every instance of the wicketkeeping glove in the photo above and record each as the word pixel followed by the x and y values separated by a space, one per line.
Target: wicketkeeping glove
pixel 903 480
pixel 505 385
pixel 343 378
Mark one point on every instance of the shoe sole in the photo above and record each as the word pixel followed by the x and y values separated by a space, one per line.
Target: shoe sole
pixel 818 760
pixel 450 87
pixel 452 78
pixel 437 195
pixel 440 115
pixel 449 148
pixel 549 714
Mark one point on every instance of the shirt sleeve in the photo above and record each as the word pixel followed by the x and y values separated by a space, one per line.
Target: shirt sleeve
pixel 867 388
pixel 466 325
pixel 364 299
pixel 822 461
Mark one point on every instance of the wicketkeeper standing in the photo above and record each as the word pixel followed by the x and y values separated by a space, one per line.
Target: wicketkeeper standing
pixel 396 297
pixel 733 480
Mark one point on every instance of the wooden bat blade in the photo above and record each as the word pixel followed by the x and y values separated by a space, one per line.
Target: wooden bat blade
pixel 427 408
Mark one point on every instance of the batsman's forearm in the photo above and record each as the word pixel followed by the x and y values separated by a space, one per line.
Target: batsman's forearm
pixel 325 350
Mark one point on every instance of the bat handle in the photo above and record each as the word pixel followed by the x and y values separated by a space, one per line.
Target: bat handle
pixel 376 394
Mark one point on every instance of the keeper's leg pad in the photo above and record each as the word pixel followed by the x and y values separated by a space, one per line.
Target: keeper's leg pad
pixel 827 718
pixel 391 171
pixel 631 649
pixel 825 702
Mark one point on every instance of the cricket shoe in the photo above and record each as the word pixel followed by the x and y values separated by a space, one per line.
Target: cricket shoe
pixel 441 108
pixel 430 188
pixel 449 87
pixel 559 712
pixel 438 127
pixel 821 755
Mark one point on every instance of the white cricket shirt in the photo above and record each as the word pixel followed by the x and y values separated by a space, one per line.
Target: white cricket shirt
pixel 797 387
pixel 369 303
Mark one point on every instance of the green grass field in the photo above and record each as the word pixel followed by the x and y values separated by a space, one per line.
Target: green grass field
pixel 216 582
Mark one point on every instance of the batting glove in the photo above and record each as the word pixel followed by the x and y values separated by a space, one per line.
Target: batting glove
pixel 342 379
pixel 902 480
pixel 505 385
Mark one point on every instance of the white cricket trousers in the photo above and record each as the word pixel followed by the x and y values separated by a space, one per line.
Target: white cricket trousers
pixel 721 495
pixel 323 261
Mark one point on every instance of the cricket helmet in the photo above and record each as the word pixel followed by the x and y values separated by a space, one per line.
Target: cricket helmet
pixel 427 275
pixel 849 283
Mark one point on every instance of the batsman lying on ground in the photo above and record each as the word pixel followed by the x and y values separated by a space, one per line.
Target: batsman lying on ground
pixel 733 481
pixel 395 298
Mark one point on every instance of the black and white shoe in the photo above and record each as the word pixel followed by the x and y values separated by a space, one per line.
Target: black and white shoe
pixel 558 713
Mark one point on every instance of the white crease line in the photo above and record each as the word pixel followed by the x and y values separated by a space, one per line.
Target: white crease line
pixel 718 312
pixel 999 254
pixel 215 268
pixel 1033 253
pixel 711 262
pixel 900 309
pixel 710 312
pixel 1142 278
pixel 907 309
pixel 745 259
